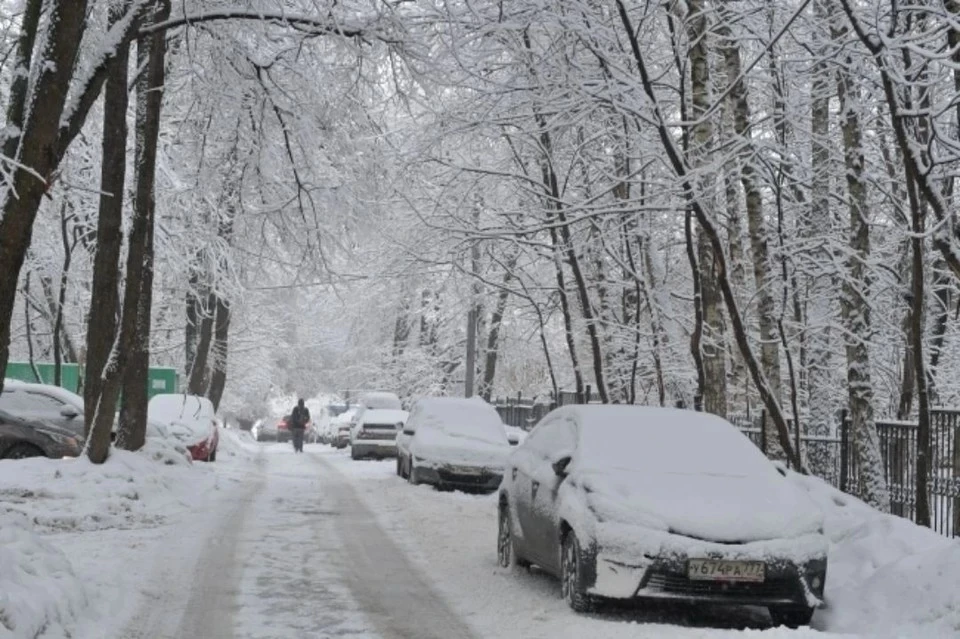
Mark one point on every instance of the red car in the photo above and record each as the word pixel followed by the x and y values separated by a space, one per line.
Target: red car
pixel 191 420
pixel 283 430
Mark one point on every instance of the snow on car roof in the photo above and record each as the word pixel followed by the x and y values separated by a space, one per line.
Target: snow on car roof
pixel 663 440
pixel 62 394
pixel 380 400
pixel 460 417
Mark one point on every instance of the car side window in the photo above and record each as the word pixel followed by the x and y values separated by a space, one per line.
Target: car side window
pixel 561 439
pixel 45 402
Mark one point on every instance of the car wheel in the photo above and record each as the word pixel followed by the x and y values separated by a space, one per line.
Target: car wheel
pixel 571 576
pixel 412 475
pixel 212 457
pixel 399 469
pixel 353 453
pixel 506 552
pixel 791 616
pixel 22 451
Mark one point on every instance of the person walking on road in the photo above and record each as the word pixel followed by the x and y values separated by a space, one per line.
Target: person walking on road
pixel 299 419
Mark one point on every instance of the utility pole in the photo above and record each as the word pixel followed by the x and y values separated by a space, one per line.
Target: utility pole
pixel 471 367
pixel 473 313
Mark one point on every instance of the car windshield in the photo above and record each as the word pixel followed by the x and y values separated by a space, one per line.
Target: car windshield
pixel 381 400
pixel 665 441
pixel 18 402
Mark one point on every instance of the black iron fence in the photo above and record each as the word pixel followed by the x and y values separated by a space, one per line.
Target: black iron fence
pixel 836 460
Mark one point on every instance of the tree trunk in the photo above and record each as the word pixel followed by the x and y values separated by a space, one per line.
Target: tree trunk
pixel 151 56
pixel 815 229
pixel 105 288
pixel 37 151
pixel 199 373
pixel 855 307
pixel 493 336
pixel 762 273
pixel 712 342
pixel 218 378
pixel 17 100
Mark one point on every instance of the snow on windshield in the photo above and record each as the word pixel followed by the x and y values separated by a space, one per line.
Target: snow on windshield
pixel 170 408
pixel 465 418
pixel 664 440
pixel 378 416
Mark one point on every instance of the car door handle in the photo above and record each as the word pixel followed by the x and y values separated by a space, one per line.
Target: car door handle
pixel 536 487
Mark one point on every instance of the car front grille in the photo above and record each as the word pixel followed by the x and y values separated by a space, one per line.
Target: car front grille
pixel 448 476
pixel 681 586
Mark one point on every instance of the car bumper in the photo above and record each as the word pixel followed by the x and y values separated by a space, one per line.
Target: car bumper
pixel 466 478
pixel 792 576
pixel 375 448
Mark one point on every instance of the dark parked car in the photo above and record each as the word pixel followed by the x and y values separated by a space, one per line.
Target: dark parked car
pixel 21 438
pixel 629 502
pixel 43 403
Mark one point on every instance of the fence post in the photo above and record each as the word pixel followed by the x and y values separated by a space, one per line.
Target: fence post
pixel 956 480
pixel 588 394
pixel 844 447
pixel 763 430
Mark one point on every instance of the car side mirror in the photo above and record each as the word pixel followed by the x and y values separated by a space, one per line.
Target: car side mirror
pixel 514 440
pixel 560 466
pixel 69 412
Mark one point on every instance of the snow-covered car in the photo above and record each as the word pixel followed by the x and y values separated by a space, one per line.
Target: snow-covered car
pixel 21 438
pixel 340 425
pixel 376 434
pixel 265 430
pixel 44 403
pixel 630 502
pixel 452 442
pixel 190 419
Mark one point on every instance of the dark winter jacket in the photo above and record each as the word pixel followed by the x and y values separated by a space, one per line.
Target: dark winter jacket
pixel 299 417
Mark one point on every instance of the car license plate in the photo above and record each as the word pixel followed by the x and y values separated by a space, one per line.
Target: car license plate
pixel 722 570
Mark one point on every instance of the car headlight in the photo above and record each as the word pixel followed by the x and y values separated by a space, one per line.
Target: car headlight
pixel 63 440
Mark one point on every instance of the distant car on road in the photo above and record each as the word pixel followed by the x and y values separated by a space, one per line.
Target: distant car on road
pixel 630 502
pixel 376 434
pixel 21 438
pixel 265 430
pixel 189 418
pixel 452 442
pixel 340 428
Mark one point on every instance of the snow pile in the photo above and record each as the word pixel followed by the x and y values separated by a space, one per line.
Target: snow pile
pixel 238 443
pixel 886 576
pixel 40 596
pixel 129 490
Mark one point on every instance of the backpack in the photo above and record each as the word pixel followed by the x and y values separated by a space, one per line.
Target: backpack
pixel 297 418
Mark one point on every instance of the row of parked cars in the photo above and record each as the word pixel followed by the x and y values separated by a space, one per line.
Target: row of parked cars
pixel 42 420
pixel 623 502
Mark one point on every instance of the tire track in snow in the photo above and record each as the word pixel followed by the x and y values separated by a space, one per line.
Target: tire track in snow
pixel 395 594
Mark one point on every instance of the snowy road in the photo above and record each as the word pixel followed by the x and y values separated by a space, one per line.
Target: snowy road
pixel 319 546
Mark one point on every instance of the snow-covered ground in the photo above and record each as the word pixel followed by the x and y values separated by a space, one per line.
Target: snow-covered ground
pixel 264 544
pixel 78 541
pixel 886 576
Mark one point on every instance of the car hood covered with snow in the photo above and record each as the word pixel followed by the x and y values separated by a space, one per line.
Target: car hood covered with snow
pixel 436 447
pixel 710 507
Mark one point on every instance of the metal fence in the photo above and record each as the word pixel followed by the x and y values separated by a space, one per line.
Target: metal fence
pixel 836 460
pixel 899 451
pixel 525 412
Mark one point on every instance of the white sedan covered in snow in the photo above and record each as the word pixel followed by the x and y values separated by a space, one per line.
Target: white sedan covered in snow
pixel 629 502
pixel 452 442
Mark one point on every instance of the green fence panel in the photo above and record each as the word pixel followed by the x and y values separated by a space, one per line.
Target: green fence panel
pixel 159 380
